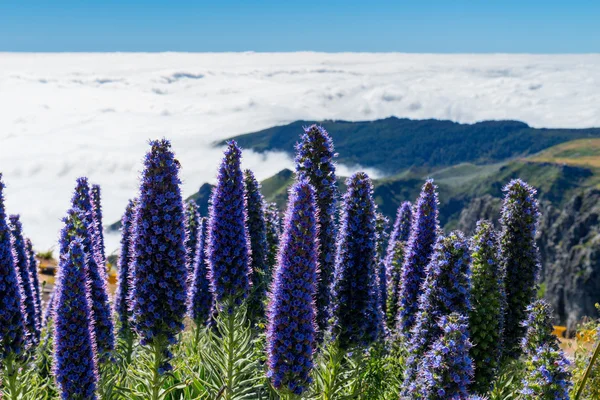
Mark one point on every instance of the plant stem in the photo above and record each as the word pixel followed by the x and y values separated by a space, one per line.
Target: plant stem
pixel 588 370
pixel 230 355
pixel 157 352
pixel 11 375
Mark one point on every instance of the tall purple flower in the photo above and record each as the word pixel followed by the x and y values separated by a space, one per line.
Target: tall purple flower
pixel 125 263
pixel 547 372
pixel 13 331
pixel 357 314
pixel 49 307
pixel 98 238
pixel 273 232
pixel 419 248
pixel 200 298
pixel 23 269
pixel 159 260
pixel 257 230
pixel 228 248
pixel 96 272
pixel 519 258
pixel 394 261
pixel 35 282
pixel 75 363
pixel 381 226
pixel 444 291
pixel 402 225
pixel 447 370
pixel 314 162
pixel 486 320
pixel 291 330
pixel 192 229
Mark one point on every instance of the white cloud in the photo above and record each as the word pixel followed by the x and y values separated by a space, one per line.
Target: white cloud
pixel 66 115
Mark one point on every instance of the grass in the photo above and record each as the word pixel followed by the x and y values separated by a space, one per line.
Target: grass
pixel 582 152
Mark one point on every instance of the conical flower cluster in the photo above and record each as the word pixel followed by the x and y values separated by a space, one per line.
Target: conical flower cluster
pixel 99 248
pixel 75 363
pixel 314 163
pixel 86 228
pixel 159 280
pixel 33 270
pixel 519 258
pixel 257 230
pixel 200 298
pixel 228 245
pixel 444 291
pixel 547 373
pixel 357 314
pixel 125 263
pixel 381 226
pixel 419 249
pixel 24 271
pixel 447 369
pixel 394 259
pixel 13 331
pixel 291 331
pixel 192 230
pixel 273 231
pixel 486 319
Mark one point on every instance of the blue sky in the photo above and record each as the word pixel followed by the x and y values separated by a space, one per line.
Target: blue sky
pixel 438 26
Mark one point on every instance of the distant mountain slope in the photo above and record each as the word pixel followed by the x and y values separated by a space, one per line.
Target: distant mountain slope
pixel 393 145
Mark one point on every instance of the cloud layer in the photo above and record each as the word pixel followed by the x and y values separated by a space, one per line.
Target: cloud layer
pixel 66 115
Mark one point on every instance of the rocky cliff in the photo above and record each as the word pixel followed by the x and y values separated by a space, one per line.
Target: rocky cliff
pixel 569 242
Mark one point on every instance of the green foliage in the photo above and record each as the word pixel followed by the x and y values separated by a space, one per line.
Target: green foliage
pixel 508 383
pixel 45 255
pixel 585 365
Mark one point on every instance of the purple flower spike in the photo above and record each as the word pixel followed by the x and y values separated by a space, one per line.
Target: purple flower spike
pixel 24 271
pixel 86 228
pixel 123 307
pixel 547 370
pixel 419 248
pixel 273 232
pixel 192 230
pixel 519 258
pixel 447 370
pixel 291 330
pixel 444 291
pixel 13 331
pixel 159 264
pixel 200 298
pixel 257 229
pixel 228 247
pixel 75 363
pixel 33 270
pixel 314 163
pixel 357 314
pixel 99 248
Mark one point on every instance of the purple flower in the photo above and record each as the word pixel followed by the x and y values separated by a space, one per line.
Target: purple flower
pixel 75 364
pixel 200 298
pixel 35 282
pixel 519 258
pixel 444 291
pixel 291 329
pixel 159 260
pixel 257 230
pixel 192 229
pixel 419 248
pixel 486 320
pixel 13 333
pixel 228 247
pixel 314 163
pixel 98 237
pixel 24 271
pixel 123 297
pixel 96 273
pixel 357 314
pixel 273 221
pixel 446 369
pixel 381 226
pixel 547 371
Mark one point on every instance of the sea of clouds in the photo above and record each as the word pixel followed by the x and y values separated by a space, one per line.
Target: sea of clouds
pixel 68 115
